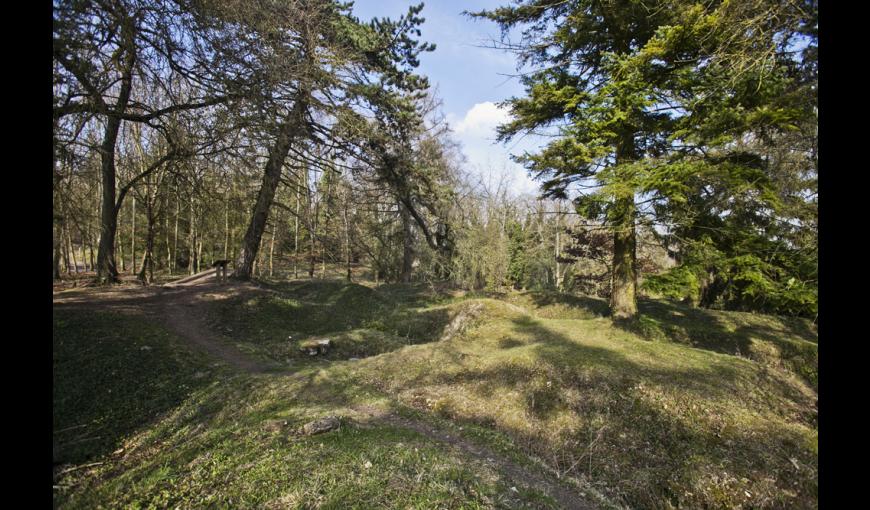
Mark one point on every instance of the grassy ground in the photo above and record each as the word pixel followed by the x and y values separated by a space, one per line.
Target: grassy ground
pixel 171 430
pixel 684 408
pixel 112 375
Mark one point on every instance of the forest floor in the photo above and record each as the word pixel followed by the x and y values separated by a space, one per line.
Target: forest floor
pixel 191 397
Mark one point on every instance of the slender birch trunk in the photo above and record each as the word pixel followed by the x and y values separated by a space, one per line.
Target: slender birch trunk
pixel 272 244
pixel 191 242
pixel 133 239
pixel 226 225
pixel 120 242
pixel 347 240
pixel 175 245
pixel 296 237
pixel 72 249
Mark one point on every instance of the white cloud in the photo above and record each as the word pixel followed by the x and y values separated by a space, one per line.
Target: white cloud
pixel 488 159
pixel 482 119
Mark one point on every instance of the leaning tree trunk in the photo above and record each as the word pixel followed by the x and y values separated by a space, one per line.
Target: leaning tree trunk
pixel 292 127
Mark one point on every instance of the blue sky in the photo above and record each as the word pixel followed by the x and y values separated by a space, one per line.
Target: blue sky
pixel 469 79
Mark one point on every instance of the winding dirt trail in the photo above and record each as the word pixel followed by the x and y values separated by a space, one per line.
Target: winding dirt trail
pixel 183 311
pixel 181 308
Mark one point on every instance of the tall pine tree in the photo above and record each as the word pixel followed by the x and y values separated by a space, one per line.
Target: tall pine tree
pixel 621 88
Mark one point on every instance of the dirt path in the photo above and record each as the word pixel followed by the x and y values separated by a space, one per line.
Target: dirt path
pixel 180 308
pixel 183 311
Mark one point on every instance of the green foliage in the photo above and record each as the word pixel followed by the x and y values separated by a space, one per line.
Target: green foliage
pixel 517 256
pixel 665 102
pixel 678 283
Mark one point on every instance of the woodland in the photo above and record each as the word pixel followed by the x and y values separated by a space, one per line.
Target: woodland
pixel 672 243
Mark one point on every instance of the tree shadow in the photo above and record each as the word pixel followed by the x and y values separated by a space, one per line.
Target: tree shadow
pixel 110 382
pixel 594 307
pixel 789 343
pixel 666 454
pixel 359 321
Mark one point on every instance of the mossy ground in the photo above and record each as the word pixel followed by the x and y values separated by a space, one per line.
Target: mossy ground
pixel 683 408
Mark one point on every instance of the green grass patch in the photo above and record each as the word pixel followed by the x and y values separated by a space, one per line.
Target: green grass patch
pixel 220 448
pixel 650 424
pixel 360 321
pixel 113 374
pixel 683 408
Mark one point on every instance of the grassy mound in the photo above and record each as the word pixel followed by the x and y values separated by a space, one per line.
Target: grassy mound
pixel 788 343
pixel 359 320
pixel 650 424
pixel 177 438
pixel 683 408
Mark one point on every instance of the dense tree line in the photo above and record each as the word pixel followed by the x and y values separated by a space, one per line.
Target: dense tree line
pixel 297 140
pixel 698 117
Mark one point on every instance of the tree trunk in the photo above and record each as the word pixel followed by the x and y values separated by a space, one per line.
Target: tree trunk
pixel 57 239
pixel 226 226
pixel 146 273
pixel 133 239
pixel 311 257
pixel 64 250
pixel 325 228
pixel 166 231
pixel 558 249
pixel 312 228
pixel 107 271
pixel 175 241
pixel 272 244
pixel 120 221
pixel 623 296
pixel 407 244
pixel 191 242
pixel 91 247
pixel 256 270
pixel 347 239
pixel 296 237
pixel 292 127
pixel 72 249
pixel 199 255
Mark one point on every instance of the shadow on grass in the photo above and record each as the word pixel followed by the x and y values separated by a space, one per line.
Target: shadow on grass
pixel 592 306
pixel 351 315
pixel 650 452
pixel 777 341
pixel 114 374
pixel 643 452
